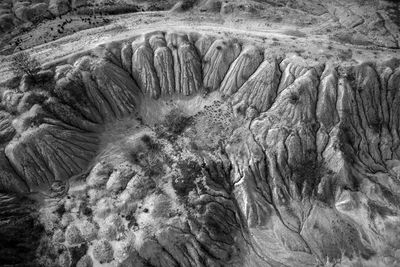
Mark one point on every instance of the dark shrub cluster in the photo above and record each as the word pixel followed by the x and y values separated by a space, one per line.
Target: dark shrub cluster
pixel 152 145
pixel 176 122
pixel 190 170
pixel 22 63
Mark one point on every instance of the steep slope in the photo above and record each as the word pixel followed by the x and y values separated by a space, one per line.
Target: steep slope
pixel 302 169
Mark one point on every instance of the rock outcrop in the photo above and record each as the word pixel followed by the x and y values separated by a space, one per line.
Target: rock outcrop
pixel 308 176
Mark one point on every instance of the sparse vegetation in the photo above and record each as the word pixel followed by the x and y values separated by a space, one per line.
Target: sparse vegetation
pixel 190 170
pixel 293 98
pixel 307 174
pixel 187 4
pixel 376 124
pixel 176 122
pixel 22 63
pixel 299 51
pixel 150 143
pixel 345 54
pixel 109 9
pixel 346 141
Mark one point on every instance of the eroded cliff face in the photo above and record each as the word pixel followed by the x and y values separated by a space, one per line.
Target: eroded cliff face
pixel 285 162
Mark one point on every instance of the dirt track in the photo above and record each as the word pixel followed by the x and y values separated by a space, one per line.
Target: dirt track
pixel 280 36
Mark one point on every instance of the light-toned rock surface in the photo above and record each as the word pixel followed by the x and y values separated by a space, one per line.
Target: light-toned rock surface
pixel 268 158
pixel 309 136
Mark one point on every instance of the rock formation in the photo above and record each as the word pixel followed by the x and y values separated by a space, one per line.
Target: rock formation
pixel 307 174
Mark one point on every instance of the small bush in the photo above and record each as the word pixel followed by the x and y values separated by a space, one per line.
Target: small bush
pixel 175 122
pixel 146 139
pixel 76 253
pixel 308 173
pixel 293 98
pixel 60 210
pixel 376 124
pixel 154 168
pixel 345 54
pixel 187 4
pixel 22 63
pixel 150 143
pixel 190 170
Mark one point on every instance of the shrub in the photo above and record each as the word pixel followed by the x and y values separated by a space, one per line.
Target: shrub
pixel 345 54
pixel 345 142
pixel 150 143
pixel 60 210
pixel 22 63
pixel 293 98
pixel 103 251
pixel 190 170
pixel 187 4
pixel 77 252
pixel 175 122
